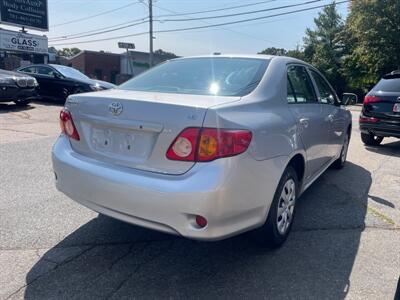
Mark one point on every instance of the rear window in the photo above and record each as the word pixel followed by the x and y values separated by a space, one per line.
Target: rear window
pixel 221 76
pixel 388 85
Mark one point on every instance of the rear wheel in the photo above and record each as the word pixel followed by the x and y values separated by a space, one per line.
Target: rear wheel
pixel 281 213
pixel 371 139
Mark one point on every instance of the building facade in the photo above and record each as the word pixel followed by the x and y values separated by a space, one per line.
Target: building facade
pixel 97 64
pixel 113 67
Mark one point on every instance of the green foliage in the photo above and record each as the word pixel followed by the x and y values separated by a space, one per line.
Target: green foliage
pixel 373 38
pixel 353 55
pixel 274 51
pixel 296 53
pixel 167 55
pixel 68 52
pixel 324 47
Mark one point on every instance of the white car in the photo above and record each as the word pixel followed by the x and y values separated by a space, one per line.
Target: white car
pixel 204 147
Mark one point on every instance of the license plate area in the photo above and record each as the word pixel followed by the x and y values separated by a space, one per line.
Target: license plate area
pixel 125 144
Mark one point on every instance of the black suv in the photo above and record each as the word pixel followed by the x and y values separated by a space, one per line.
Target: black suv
pixel 380 116
pixel 17 87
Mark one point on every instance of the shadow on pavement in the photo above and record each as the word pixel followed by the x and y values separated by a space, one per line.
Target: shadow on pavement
pixel 391 149
pixel 106 258
pixel 50 102
pixel 12 107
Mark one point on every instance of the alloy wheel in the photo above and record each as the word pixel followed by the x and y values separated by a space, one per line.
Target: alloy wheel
pixel 286 205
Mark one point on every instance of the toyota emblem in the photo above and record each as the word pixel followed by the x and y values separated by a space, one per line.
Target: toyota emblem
pixel 115 108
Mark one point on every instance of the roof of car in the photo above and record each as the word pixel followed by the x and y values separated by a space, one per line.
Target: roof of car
pixel 257 56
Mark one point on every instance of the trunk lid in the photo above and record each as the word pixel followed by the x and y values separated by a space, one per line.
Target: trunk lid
pixel 134 129
pixel 387 108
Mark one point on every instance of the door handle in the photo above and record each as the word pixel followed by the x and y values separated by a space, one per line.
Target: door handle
pixel 304 122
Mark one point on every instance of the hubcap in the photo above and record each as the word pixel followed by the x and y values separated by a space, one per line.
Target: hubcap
pixel 286 206
pixel 345 148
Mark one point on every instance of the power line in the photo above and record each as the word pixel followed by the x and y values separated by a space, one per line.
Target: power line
pixel 207 26
pixel 99 32
pixel 242 13
pixel 95 32
pixel 64 37
pixel 227 29
pixel 96 15
pixel 249 20
pixel 214 10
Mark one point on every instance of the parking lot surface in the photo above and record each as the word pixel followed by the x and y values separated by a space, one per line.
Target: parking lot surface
pixel 345 241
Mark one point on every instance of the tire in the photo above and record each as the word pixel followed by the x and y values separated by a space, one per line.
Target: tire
pixel 22 102
pixel 371 140
pixel 341 161
pixel 275 230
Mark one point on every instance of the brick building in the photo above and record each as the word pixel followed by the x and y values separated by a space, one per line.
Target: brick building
pixel 113 67
pixel 100 65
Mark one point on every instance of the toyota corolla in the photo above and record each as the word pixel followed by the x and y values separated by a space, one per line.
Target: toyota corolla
pixel 204 147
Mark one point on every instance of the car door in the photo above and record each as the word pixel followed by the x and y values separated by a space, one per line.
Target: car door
pixel 49 82
pixel 307 111
pixel 334 119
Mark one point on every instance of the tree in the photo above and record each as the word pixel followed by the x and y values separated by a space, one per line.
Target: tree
pixel 373 38
pixel 167 55
pixel 274 51
pixel 296 53
pixel 324 47
pixel 68 52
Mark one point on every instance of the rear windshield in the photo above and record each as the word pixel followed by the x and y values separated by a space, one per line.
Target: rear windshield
pixel 221 76
pixel 388 85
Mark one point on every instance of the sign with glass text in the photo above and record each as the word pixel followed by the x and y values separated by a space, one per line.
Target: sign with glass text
pixel 25 13
pixel 18 41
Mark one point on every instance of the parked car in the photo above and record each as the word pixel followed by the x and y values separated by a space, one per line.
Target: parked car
pixel 16 87
pixel 204 147
pixel 57 82
pixel 380 116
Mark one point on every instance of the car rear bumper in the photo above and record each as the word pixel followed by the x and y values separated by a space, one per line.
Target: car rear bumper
pixel 10 93
pixel 233 194
pixel 381 129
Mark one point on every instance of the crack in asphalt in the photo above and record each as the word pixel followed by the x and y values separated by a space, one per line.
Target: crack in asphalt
pixel 45 273
pixel 349 228
pixel 159 253
pixel 89 245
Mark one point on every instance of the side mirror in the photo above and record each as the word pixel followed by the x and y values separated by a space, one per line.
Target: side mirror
pixel 349 99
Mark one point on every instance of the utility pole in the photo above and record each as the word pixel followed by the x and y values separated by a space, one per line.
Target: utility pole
pixel 151 32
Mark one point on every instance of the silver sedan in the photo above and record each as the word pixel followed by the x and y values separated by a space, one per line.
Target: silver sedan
pixel 204 147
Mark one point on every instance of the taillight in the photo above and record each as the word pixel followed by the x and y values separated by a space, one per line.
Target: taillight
pixel 371 99
pixel 207 144
pixel 364 119
pixel 184 146
pixel 67 125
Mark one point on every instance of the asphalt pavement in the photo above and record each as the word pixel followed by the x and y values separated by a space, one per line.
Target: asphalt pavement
pixel 345 241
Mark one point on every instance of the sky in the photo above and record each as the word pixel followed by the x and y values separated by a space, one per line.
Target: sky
pixel 251 37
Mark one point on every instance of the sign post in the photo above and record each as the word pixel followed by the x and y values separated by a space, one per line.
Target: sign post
pixel 25 13
pixel 127 46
